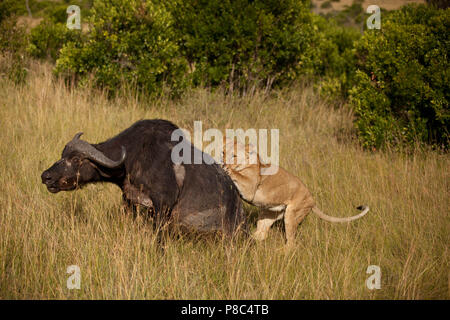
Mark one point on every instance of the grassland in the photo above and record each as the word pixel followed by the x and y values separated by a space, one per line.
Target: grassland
pixel 406 232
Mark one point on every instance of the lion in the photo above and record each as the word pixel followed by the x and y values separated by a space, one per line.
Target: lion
pixel 280 195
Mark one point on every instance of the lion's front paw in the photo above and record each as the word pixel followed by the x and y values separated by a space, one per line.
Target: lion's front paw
pixel 259 236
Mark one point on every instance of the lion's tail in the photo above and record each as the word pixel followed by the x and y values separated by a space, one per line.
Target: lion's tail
pixel 325 217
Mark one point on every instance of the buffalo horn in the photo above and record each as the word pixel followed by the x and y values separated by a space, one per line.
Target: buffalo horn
pixel 93 154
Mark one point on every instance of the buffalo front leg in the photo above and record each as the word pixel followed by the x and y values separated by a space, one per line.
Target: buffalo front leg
pixel 129 207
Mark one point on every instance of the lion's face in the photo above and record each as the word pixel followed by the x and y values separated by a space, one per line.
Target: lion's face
pixel 242 164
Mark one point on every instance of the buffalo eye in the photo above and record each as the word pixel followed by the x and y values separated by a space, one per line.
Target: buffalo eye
pixel 76 160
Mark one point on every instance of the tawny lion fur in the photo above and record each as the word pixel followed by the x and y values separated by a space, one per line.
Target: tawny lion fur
pixel 280 195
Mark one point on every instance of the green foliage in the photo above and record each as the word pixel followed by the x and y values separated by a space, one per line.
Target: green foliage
pixel 443 4
pixel 35 6
pixel 129 42
pixel 57 13
pixel 12 43
pixel 402 90
pixel 242 44
pixel 351 15
pixel 48 38
pixel 246 44
pixel 49 8
pixel 335 59
pixel 326 4
pixel 7 9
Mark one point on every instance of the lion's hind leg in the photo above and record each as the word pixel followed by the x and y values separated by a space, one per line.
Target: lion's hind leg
pixel 292 219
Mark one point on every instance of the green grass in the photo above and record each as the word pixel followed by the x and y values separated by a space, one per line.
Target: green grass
pixel 406 232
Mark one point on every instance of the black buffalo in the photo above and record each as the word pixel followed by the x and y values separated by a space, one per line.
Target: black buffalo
pixel 194 197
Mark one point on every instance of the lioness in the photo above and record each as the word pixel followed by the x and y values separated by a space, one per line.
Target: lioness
pixel 279 195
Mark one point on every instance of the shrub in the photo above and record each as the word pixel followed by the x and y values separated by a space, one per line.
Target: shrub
pixel 443 4
pixel 335 59
pixel 402 89
pixel 58 13
pixel 351 15
pixel 245 44
pixel 129 43
pixel 326 5
pixel 47 39
pixel 240 44
pixel 13 61
pixel 7 9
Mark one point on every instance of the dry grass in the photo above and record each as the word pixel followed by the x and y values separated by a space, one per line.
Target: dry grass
pixel 406 232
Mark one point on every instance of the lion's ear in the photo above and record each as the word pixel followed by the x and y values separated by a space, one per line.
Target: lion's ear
pixel 239 167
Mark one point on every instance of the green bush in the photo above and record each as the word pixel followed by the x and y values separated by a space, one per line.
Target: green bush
pixel 58 13
pixel 130 42
pixel 13 60
pixel 243 44
pixel 350 16
pixel 401 93
pixel 326 5
pixel 47 39
pixel 443 4
pixel 335 58
pixel 7 9
pixel 246 44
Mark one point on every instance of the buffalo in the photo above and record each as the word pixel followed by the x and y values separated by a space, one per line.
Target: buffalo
pixel 194 197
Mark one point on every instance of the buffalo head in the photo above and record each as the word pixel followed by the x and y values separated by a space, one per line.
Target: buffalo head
pixel 80 163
